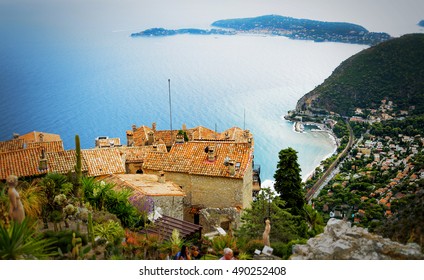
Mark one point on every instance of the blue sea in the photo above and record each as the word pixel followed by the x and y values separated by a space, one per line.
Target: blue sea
pixel 71 67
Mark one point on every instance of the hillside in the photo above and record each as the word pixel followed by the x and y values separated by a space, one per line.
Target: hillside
pixel 305 29
pixel 275 25
pixel 392 70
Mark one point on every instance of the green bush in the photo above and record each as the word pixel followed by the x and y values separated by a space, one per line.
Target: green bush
pixel 285 250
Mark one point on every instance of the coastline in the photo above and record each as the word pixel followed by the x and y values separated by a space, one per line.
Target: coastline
pixel 299 127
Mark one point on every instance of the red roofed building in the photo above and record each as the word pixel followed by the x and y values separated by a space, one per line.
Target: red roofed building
pixel 212 174
pixel 22 163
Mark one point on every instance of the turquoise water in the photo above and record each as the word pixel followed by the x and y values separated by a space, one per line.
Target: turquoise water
pixel 78 71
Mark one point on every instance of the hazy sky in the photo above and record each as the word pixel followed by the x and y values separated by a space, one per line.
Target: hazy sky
pixel 392 16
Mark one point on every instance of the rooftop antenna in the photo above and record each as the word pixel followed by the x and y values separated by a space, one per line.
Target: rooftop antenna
pixel 244 118
pixel 170 108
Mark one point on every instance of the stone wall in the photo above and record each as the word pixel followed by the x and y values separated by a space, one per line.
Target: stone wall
pixel 170 205
pixel 340 241
pixel 212 192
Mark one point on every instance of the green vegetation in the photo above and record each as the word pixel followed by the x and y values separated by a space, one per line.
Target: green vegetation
pixel 288 182
pixel 21 241
pixel 379 185
pixel 391 70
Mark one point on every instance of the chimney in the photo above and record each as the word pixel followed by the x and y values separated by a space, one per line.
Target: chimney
pixel 211 153
pixel 130 138
pixel 134 127
pixel 41 137
pixel 150 138
pixel 231 167
pixel 161 177
pixel 154 127
pixel 43 161
pixel 250 141
pixel 246 133
pixel 179 139
pixel 184 128
pixel 15 135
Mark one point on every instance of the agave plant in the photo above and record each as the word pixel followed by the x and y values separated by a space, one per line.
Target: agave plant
pixel 173 244
pixel 22 241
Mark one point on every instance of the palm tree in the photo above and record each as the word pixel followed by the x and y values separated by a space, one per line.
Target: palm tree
pixel 22 241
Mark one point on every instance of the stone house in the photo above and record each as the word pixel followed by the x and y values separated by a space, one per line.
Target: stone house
pixel 216 177
pixel 144 135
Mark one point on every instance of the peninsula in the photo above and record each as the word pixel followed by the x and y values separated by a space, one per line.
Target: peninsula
pixel 276 25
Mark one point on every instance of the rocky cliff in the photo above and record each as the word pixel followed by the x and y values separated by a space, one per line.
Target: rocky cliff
pixel 340 241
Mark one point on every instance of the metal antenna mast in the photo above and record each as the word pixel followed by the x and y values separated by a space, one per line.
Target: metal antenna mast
pixel 170 108
pixel 244 118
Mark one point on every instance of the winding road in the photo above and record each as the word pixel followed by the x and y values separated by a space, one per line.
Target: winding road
pixel 328 174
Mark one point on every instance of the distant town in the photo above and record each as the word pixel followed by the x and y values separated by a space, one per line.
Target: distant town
pixel 382 162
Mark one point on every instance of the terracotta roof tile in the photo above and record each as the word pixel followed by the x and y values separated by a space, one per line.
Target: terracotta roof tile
pixel 199 133
pixel 141 135
pixel 64 162
pixel 191 157
pixel 24 162
pixel 103 161
pixel 203 133
pixel 51 146
pixel 11 145
pixel 138 154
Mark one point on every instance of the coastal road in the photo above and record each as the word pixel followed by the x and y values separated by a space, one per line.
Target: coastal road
pixel 330 172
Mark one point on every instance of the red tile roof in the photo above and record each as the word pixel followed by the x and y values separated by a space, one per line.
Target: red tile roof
pixel 49 147
pixel 11 145
pixel 64 162
pixel 191 158
pixel 24 162
pixel 103 161
pixel 140 135
pixel 138 154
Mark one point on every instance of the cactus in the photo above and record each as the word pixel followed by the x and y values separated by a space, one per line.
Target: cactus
pixel 90 230
pixel 76 245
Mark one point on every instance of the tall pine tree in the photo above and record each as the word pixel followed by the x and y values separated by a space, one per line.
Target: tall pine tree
pixel 288 183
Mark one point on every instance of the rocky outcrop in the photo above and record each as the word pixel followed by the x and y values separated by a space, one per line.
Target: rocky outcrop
pixel 340 241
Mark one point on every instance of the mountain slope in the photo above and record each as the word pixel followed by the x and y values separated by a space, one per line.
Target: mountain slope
pixel 392 70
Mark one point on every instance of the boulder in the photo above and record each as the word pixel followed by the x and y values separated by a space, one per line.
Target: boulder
pixel 341 241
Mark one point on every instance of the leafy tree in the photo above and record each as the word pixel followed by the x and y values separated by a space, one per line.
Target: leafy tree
pixel 288 182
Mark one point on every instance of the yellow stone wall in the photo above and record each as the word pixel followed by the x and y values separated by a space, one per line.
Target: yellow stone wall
pixel 212 192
